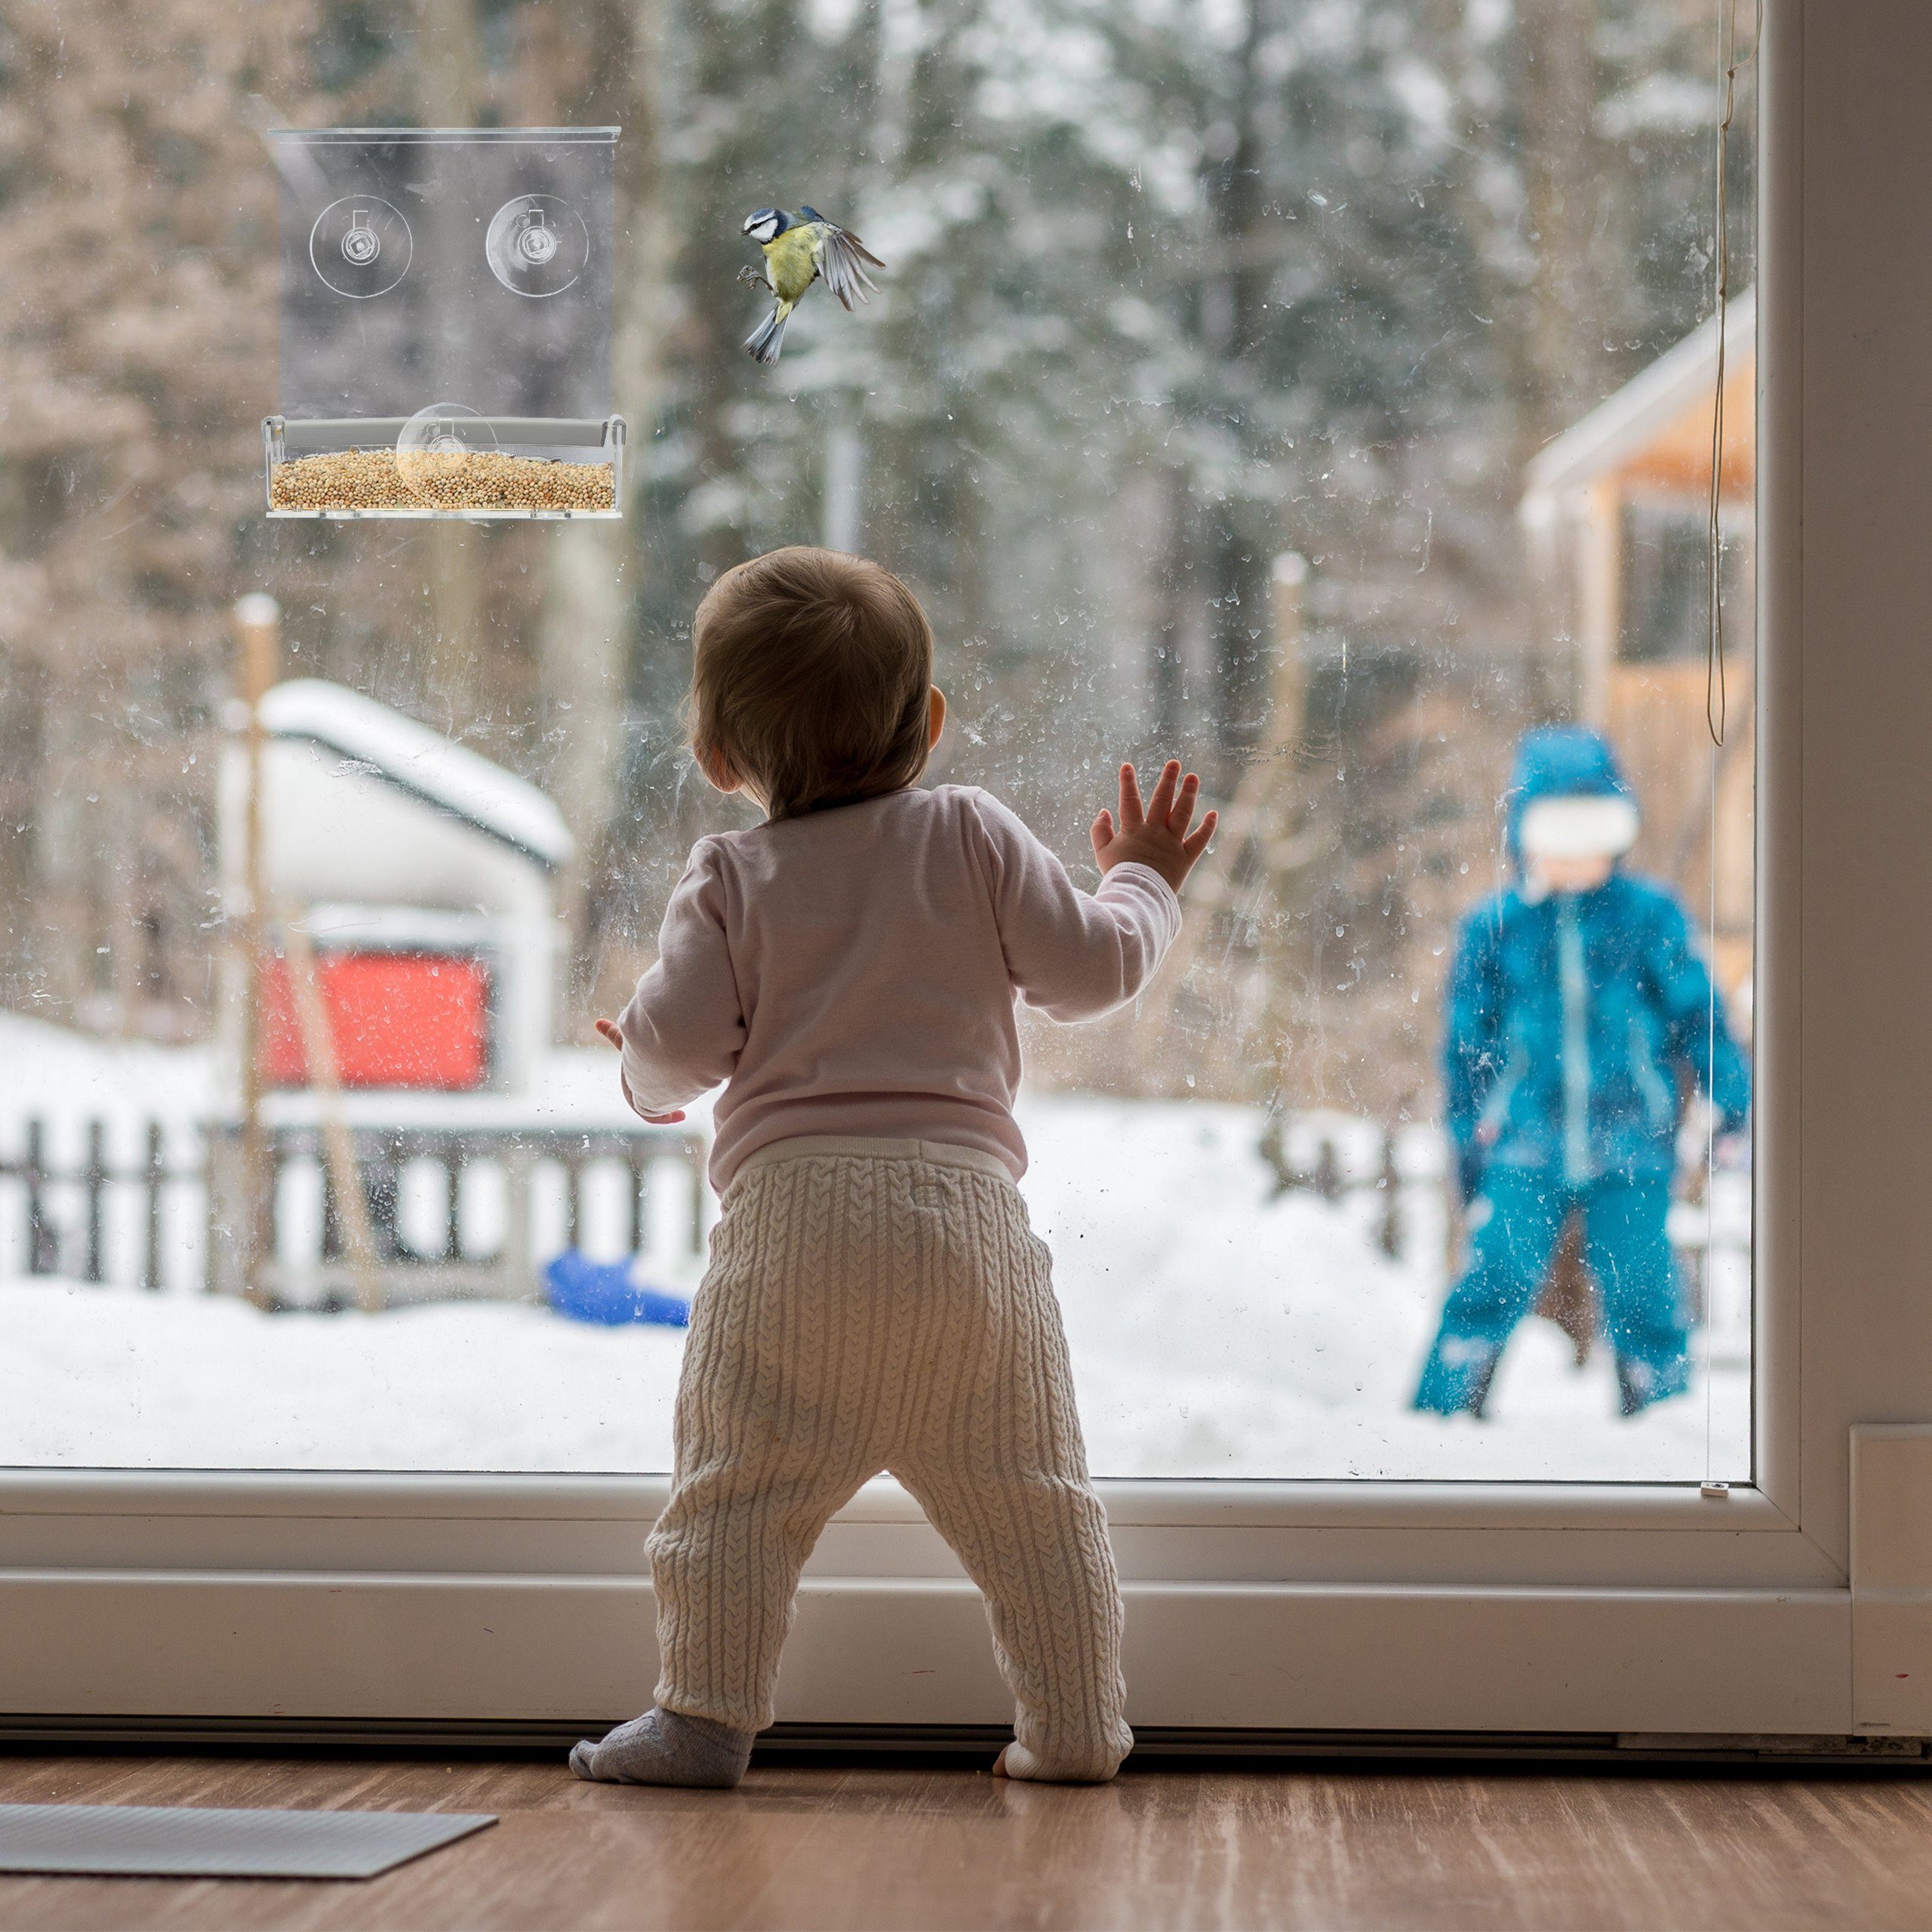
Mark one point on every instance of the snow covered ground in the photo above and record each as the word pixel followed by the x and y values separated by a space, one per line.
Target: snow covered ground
pixel 1218 1329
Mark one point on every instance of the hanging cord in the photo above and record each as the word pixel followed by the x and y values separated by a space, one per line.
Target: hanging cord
pixel 1711 1134
pixel 1729 61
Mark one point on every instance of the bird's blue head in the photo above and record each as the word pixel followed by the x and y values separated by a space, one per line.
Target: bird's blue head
pixel 767 224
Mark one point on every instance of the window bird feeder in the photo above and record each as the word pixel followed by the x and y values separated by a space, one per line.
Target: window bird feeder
pixel 445 324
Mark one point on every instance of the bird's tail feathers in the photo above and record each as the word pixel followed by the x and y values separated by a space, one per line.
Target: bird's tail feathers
pixel 764 342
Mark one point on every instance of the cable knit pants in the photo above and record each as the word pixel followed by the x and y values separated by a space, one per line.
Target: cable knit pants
pixel 884 1305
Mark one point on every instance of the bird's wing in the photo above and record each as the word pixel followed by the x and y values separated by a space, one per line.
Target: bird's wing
pixel 842 257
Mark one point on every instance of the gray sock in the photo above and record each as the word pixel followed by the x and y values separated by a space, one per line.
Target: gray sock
pixel 666 1747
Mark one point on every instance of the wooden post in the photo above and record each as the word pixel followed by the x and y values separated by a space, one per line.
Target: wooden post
pixel 257 617
pixel 1328 1172
pixel 1601 616
pixel 573 1198
pixel 94 1181
pixel 453 1167
pixel 695 1157
pixel 1389 1231
pixel 1274 1150
pixel 1275 826
pixel 1264 793
pixel 1287 717
pixel 325 1083
pixel 640 1198
pixel 514 1274
pixel 43 1240
pixel 156 1176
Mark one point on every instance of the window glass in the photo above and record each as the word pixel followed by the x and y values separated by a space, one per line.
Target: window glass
pixel 1319 391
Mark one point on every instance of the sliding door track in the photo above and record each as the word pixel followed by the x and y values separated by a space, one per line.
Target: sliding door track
pixel 968 1744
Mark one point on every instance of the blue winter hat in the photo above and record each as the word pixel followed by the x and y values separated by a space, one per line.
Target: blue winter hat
pixel 1564 762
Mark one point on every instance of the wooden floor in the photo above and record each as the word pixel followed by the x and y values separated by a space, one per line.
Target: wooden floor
pixel 804 1849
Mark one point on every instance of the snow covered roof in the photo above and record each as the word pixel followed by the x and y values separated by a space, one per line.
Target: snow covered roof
pixel 421 761
pixel 1647 409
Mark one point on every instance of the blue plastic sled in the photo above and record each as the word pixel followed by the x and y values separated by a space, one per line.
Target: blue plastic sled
pixel 603 1291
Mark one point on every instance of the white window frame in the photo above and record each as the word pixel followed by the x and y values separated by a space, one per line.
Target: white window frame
pixel 430 1602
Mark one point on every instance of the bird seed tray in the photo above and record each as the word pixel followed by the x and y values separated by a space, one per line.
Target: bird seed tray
pixel 439 464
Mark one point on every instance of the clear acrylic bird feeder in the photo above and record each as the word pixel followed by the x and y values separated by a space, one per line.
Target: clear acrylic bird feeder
pixel 445 324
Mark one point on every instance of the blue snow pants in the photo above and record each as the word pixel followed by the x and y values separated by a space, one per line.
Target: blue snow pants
pixel 1625 1247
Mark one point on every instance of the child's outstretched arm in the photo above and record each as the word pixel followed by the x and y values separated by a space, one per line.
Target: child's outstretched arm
pixel 1075 955
pixel 609 1030
pixel 1156 835
pixel 682 1033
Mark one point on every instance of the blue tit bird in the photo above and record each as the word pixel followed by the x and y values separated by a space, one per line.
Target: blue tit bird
pixel 798 248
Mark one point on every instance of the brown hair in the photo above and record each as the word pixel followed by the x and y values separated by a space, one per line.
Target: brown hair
pixel 809 675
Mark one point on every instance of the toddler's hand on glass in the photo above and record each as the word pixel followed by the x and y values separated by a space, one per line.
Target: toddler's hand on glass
pixel 1158 835
pixel 611 1031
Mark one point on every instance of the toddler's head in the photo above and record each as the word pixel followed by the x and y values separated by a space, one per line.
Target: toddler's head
pixel 811 682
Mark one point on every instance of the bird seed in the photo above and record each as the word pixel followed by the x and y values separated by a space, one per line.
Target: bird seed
pixel 454 481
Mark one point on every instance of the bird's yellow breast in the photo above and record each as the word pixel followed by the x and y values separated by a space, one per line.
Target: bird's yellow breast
pixel 791 261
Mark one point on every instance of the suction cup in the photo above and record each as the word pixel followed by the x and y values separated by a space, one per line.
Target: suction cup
pixel 436 454
pixel 536 245
pixel 361 246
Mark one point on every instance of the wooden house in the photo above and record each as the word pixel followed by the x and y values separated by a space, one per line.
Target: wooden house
pixel 1618 507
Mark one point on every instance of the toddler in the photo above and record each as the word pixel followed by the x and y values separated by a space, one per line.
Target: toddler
pixel 1580 1015
pixel 875 1299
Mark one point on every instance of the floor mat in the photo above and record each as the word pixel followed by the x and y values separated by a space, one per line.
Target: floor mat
pixel 195 1841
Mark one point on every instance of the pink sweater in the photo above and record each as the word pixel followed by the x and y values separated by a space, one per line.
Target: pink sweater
pixel 854 972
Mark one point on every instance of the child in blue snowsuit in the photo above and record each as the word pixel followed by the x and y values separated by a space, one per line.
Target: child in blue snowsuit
pixel 1577 1003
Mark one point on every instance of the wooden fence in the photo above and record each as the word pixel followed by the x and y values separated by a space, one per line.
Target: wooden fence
pixel 46 1237
pixel 67 1208
pixel 1712 1236
pixel 1327 1177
